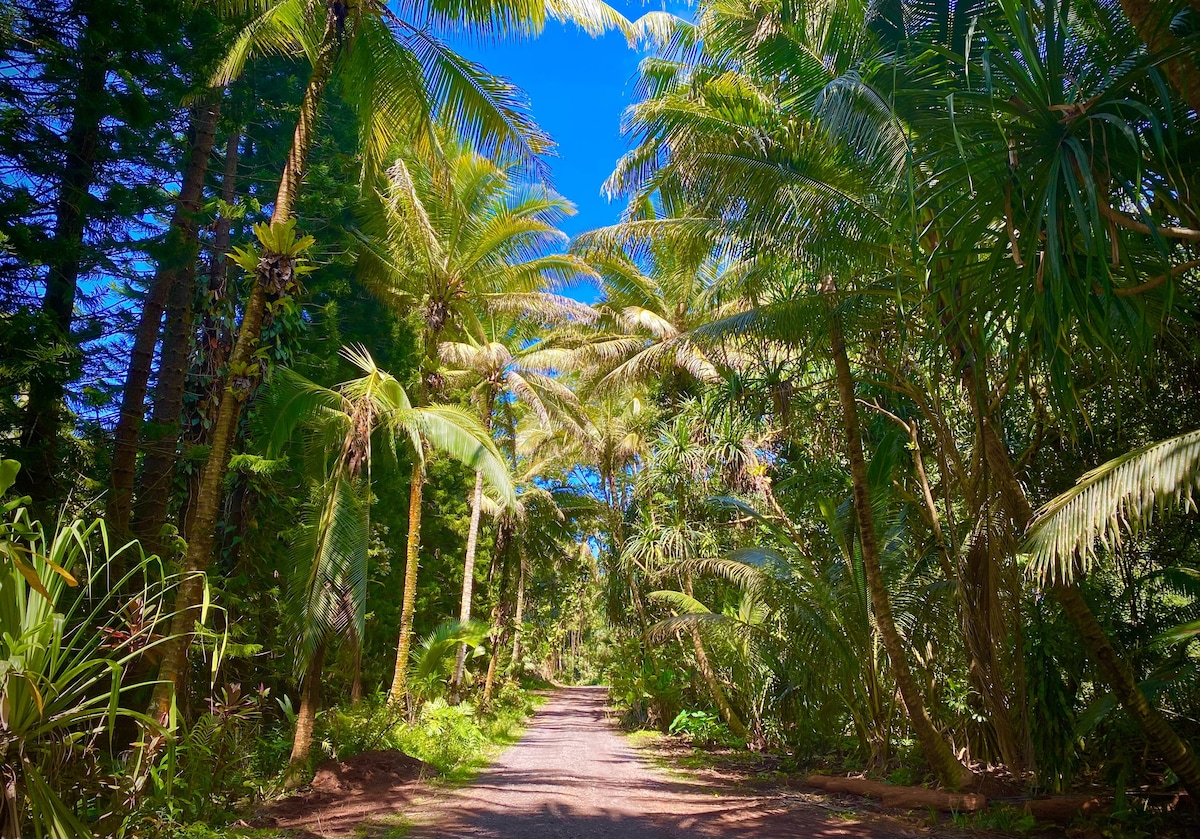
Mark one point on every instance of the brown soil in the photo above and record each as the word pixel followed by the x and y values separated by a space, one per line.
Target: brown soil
pixel 573 776
pixel 345 794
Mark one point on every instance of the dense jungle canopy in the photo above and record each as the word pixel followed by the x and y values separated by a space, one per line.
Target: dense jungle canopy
pixel 875 448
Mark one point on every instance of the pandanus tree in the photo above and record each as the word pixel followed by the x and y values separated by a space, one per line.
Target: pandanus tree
pixel 511 366
pixel 459 238
pixel 1078 244
pixel 398 77
pixel 329 594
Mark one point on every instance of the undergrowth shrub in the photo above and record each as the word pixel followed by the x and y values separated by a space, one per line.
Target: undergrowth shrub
pixel 446 736
pixel 704 728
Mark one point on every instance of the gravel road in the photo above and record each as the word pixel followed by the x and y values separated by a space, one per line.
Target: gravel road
pixel 574 776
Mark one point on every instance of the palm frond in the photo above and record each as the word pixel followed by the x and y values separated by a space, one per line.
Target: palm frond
pixel 1123 495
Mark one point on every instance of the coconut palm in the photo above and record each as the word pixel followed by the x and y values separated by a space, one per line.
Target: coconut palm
pixel 461 238
pixel 513 366
pixel 1124 494
pixel 656 290
pixel 329 599
pixel 398 77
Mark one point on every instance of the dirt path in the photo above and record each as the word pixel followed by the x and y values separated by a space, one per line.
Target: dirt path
pixel 572 776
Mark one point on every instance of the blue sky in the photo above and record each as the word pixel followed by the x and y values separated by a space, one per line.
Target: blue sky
pixel 578 87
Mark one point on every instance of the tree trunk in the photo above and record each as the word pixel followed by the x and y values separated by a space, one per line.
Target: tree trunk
pixel 499 619
pixel 212 348
pixel 1163 739
pixel 310 703
pixel 519 615
pixel 39 475
pixel 946 766
pixel 1117 672
pixel 464 612
pixel 990 594
pixel 714 687
pixel 208 501
pixel 464 609
pixel 1151 20
pixel 399 689
pixel 710 675
pixel 175 268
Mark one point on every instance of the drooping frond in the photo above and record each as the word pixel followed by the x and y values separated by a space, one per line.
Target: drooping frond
pixel 459 434
pixel 1124 494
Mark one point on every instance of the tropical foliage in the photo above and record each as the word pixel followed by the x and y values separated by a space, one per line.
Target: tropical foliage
pixel 874 445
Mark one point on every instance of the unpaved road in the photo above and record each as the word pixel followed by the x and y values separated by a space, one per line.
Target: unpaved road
pixel 572 776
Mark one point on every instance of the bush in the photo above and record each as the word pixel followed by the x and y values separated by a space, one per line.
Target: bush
pixel 446 736
pixel 704 728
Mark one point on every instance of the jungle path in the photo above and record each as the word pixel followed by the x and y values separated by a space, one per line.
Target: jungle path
pixel 573 776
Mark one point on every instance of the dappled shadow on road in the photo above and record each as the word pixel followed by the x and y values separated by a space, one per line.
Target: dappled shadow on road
pixel 745 818
pixel 572 776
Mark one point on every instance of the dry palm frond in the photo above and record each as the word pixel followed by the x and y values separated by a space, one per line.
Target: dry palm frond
pixel 1122 495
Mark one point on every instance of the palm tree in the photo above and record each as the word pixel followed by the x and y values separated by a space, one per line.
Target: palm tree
pixel 398 77
pixel 330 599
pixel 752 158
pixel 510 367
pixel 1124 494
pixel 657 289
pixel 460 239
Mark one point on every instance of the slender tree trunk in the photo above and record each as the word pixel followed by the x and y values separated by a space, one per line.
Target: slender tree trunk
pixel 499 618
pixel 714 687
pixel 1163 739
pixel 275 271
pixel 468 584
pixel 212 349
pixel 946 766
pixel 310 703
pixel 519 614
pixel 710 676
pixel 175 268
pixel 40 472
pixel 464 612
pixel 161 437
pixel 412 558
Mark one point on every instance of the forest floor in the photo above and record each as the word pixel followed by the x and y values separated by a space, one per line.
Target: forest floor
pixel 574 776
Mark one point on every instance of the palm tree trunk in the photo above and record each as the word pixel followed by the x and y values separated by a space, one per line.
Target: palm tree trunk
pixel 464 609
pixel 399 690
pixel 464 612
pixel 1155 729
pixel 208 502
pixel 519 614
pixel 949 770
pixel 310 703
pixel 714 687
pixel 710 676
pixel 212 349
pixel 182 245
pixel 499 618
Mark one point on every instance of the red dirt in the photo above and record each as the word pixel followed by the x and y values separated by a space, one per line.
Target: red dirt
pixel 572 776
pixel 345 794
